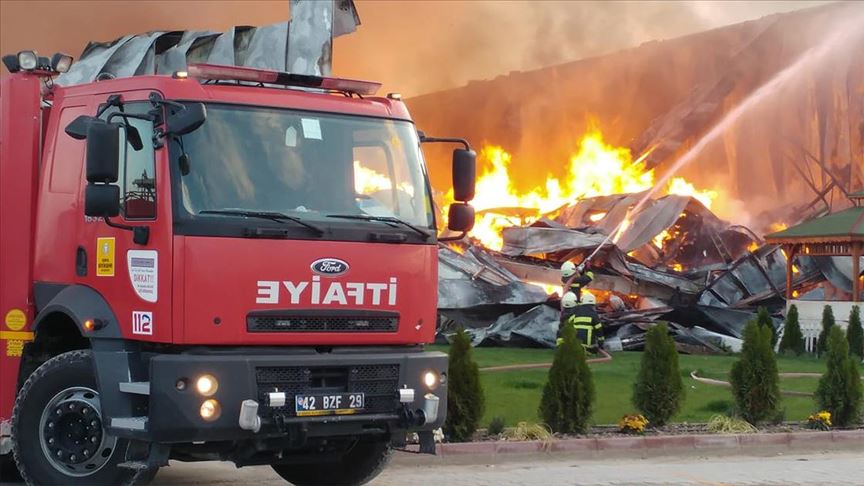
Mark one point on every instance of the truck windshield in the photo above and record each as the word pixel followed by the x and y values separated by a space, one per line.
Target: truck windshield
pixel 303 164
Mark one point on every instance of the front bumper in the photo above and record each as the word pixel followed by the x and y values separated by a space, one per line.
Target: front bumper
pixel 173 414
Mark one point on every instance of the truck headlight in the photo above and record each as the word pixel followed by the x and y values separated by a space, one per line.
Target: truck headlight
pixel 430 379
pixel 206 385
pixel 210 410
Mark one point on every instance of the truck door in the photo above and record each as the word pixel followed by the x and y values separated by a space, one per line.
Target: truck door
pixel 134 279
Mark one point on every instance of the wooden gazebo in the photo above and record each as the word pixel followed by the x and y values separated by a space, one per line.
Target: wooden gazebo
pixel 836 234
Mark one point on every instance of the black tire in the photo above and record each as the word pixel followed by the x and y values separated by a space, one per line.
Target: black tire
pixel 8 470
pixel 361 464
pixel 72 370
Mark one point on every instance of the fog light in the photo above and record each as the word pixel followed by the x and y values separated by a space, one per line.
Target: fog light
pixel 206 385
pixel 210 410
pixel 430 379
pixel 27 60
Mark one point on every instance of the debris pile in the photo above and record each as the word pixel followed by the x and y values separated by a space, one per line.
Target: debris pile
pixel 674 261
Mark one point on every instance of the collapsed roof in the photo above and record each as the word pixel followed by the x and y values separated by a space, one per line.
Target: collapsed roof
pixel 302 45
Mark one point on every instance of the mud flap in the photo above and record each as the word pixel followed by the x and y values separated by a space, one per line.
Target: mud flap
pixel 427 442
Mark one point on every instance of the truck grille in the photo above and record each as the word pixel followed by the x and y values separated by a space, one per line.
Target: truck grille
pixel 378 382
pixel 314 321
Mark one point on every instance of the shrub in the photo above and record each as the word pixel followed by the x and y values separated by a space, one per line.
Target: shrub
pixel 659 388
pixel 496 426
pixel 754 378
pixel 568 396
pixel 827 324
pixel 855 334
pixel 465 400
pixel 763 318
pixel 839 391
pixel 722 424
pixel 526 431
pixel 793 339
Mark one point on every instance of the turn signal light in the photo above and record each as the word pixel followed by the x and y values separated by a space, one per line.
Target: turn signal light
pixel 91 325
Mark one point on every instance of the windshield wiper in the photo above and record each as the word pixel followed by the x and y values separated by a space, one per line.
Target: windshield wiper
pixel 384 219
pixel 271 215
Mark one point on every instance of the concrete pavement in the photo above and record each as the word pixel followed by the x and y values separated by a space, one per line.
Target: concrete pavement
pixel 792 469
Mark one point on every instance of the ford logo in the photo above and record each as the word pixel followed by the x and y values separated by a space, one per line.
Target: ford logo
pixel 329 267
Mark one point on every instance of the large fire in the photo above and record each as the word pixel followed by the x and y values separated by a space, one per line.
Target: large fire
pixel 596 169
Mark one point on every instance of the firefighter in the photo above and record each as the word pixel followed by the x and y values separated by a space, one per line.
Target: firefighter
pixel 575 278
pixel 584 317
pixel 568 307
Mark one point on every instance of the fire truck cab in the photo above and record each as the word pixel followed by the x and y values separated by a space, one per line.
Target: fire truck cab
pixel 223 264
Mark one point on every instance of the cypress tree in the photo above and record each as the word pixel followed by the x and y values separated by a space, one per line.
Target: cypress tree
pixel 568 397
pixel 839 390
pixel 465 399
pixel 827 324
pixel 792 341
pixel 754 377
pixel 659 388
pixel 855 334
pixel 763 317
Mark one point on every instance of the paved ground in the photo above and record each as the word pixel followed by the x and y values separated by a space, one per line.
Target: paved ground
pixel 836 468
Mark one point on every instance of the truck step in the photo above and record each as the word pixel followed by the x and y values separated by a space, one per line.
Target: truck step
pixel 129 423
pixel 135 387
pixel 136 465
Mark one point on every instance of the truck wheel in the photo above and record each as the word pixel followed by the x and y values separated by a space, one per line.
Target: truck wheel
pixel 57 431
pixel 359 465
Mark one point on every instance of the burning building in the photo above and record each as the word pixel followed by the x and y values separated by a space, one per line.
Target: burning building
pixel 568 151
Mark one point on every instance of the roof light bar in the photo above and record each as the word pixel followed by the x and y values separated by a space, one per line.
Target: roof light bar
pixel 234 73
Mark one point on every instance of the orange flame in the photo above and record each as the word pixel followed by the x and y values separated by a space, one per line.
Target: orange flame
pixel 596 169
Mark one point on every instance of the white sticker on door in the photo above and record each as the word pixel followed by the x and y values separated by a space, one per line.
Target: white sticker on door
pixel 144 273
pixel 142 323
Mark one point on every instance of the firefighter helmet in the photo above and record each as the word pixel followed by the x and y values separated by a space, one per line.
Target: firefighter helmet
pixel 588 298
pixel 569 300
pixel 568 269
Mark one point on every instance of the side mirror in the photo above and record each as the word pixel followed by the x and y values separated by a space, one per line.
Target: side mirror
pixel 102 200
pixel 103 152
pixel 464 175
pixel 460 217
pixel 186 120
pixel 77 129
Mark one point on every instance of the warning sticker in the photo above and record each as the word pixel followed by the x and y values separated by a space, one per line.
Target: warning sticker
pixel 144 273
pixel 105 257
pixel 16 319
pixel 311 128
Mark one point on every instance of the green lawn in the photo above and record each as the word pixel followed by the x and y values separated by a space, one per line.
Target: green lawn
pixel 515 395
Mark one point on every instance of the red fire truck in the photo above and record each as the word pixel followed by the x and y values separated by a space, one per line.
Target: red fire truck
pixel 223 264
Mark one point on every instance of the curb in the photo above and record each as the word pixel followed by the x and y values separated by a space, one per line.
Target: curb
pixel 651 446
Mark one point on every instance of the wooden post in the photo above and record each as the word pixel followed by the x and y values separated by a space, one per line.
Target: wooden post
pixel 856 272
pixel 790 254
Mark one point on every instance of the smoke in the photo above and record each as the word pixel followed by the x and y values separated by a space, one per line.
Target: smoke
pixel 414 47
pixel 422 46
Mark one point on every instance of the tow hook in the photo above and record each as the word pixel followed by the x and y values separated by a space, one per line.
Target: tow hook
pixel 249 419
pixel 430 408
pixel 422 416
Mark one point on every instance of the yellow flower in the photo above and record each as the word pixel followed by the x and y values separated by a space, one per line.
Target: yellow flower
pixel 632 423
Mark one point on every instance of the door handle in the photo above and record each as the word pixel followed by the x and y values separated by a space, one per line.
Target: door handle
pixel 81 262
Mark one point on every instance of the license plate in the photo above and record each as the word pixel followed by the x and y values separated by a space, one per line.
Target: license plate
pixel 330 404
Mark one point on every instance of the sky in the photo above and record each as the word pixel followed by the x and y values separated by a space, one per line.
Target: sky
pixel 414 47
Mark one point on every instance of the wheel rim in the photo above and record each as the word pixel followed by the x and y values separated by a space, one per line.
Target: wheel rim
pixel 71 433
